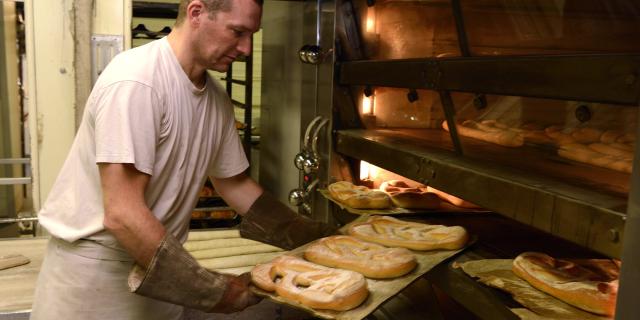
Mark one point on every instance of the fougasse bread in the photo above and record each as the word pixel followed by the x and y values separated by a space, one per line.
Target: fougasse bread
pixel 370 259
pixel 404 196
pixel 393 232
pixel 358 197
pixel 591 285
pixel 310 284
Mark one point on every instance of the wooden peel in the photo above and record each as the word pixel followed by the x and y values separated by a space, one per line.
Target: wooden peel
pixel 13 260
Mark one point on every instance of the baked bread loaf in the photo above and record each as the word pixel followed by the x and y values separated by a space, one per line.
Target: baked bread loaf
pixel 453 199
pixel 560 135
pixel 593 289
pixel 586 135
pixel 404 196
pixel 412 235
pixel 484 132
pixel 312 285
pixel 588 154
pixel 370 259
pixel 358 197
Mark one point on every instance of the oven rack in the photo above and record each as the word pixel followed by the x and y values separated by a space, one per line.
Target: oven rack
pixel 572 212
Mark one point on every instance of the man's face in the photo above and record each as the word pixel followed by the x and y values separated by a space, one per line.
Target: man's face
pixel 227 35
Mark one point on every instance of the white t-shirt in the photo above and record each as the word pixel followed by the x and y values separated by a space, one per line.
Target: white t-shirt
pixel 144 110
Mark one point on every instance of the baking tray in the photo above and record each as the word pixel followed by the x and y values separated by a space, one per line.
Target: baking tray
pixel 538 305
pixel 379 290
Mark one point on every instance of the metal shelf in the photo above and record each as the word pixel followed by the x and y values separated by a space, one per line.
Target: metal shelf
pixel 581 215
pixel 607 78
pixel 150 9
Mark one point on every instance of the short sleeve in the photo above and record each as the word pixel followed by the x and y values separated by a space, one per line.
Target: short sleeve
pixel 127 125
pixel 230 159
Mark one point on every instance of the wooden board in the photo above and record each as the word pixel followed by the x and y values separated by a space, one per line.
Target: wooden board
pixel 17 284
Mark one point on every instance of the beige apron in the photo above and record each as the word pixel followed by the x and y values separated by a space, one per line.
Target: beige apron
pixel 88 280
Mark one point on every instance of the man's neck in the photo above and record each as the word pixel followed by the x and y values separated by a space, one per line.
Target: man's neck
pixel 181 49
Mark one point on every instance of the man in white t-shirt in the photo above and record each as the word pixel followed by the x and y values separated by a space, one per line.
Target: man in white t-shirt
pixel 155 126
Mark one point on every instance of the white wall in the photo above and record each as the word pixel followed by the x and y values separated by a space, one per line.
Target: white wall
pixel 51 89
pixel 51 49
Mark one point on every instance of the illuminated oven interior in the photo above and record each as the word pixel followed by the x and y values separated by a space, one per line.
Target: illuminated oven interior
pixel 581 143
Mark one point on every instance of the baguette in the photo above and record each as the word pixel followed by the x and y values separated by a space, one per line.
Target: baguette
pixel 471 129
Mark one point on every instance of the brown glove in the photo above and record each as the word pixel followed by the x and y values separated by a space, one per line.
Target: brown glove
pixel 270 221
pixel 175 276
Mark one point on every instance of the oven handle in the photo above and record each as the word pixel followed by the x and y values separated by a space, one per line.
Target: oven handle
pixel 315 137
pixel 305 141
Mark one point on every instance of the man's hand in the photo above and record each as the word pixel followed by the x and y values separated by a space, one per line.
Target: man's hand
pixel 175 276
pixel 238 295
pixel 270 221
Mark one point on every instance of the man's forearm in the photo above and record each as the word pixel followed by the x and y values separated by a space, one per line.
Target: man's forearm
pixel 239 192
pixel 140 234
pixel 126 214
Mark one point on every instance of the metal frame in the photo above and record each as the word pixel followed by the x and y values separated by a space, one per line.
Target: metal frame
pixel 607 78
pixel 585 217
pixel 146 9
pixel 15 181
pixel 580 215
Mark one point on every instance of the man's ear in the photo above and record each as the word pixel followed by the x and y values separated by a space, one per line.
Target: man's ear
pixel 195 11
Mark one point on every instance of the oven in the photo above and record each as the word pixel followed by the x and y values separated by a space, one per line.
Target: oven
pixel 497 102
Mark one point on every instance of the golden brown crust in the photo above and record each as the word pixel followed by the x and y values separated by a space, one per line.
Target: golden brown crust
pixel 475 130
pixel 312 285
pixel 412 235
pixel 370 259
pixel 404 196
pixel 588 154
pixel 358 197
pixel 612 150
pixel 586 288
pixel 610 136
pixel 586 135
pixel 560 135
pixel 453 199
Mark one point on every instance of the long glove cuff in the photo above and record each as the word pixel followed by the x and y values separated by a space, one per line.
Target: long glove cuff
pixel 270 221
pixel 175 276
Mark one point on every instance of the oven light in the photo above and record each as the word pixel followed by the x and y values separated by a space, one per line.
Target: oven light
pixel 371 20
pixel 368 171
pixel 368 105
pixel 364 170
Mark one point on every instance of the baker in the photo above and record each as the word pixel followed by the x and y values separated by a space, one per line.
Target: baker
pixel 155 126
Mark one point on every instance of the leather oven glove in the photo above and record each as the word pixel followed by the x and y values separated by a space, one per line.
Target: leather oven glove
pixel 270 221
pixel 175 276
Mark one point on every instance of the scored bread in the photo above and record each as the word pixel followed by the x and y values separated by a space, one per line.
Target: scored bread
pixel 404 196
pixel 370 259
pixel 593 289
pixel 458 202
pixel 499 136
pixel 310 284
pixel 412 235
pixel 358 197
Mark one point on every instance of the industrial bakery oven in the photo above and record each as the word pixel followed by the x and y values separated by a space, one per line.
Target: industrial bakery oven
pixel 527 108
